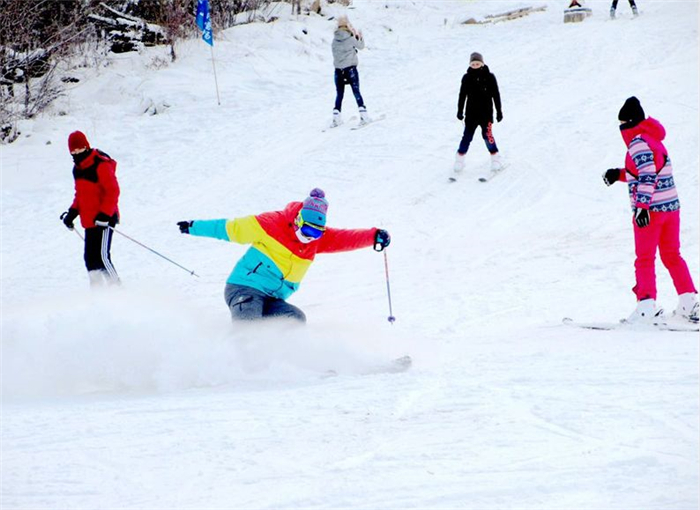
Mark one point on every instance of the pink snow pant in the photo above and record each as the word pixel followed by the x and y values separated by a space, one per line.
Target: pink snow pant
pixel 663 232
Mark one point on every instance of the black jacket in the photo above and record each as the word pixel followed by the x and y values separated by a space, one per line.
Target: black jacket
pixel 480 90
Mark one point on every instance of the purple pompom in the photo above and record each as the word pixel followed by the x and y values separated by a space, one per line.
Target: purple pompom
pixel 317 193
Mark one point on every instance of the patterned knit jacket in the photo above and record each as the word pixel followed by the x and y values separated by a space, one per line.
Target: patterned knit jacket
pixel 648 170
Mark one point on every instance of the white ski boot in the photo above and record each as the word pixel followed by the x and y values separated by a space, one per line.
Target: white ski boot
pixel 635 12
pixel 645 313
pixel 496 163
pixel 459 163
pixel 612 13
pixel 364 116
pixel 688 307
pixel 337 119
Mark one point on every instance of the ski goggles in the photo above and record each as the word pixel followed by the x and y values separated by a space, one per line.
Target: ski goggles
pixel 310 230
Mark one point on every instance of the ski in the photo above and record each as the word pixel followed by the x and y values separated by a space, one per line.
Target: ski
pixel 623 324
pixel 491 174
pixel 332 127
pixel 368 122
pixel 395 366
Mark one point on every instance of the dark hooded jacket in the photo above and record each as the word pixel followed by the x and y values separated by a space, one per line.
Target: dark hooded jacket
pixel 480 90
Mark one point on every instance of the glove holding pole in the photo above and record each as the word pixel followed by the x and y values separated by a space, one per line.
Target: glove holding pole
pixel 382 239
pixel 68 217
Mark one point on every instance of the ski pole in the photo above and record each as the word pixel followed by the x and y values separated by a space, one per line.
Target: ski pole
pixel 78 234
pixel 391 317
pixel 153 251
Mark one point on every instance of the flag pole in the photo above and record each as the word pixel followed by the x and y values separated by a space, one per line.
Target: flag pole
pixel 216 81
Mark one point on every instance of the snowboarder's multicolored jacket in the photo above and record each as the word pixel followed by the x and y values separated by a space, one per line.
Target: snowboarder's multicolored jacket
pixel 277 261
pixel 648 170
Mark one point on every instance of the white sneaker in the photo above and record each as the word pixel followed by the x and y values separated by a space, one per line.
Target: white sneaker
pixel 364 116
pixel 645 313
pixel 496 163
pixel 337 119
pixel 459 162
pixel 688 307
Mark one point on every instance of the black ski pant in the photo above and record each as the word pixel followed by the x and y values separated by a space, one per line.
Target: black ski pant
pixel 470 126
pixel 246 304
pixel 350 76
pixel 614 4
pixel 98 244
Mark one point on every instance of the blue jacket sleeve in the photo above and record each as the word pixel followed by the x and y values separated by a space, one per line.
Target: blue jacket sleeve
pixel 210 228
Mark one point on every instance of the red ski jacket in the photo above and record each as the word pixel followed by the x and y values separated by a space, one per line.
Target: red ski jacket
pixel 96 188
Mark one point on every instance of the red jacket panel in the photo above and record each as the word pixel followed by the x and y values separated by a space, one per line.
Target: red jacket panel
pixel 96 188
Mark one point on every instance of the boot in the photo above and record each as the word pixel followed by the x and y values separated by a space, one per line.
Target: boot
pixel 688 306
pixel 496 163
pixel 612 13
pixel 635 12
pixel 337 119
pixel 459 162
pixel 364 116
pixel 645 313
pixel 96 278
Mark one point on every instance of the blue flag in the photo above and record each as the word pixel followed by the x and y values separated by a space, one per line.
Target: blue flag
pixel 204 21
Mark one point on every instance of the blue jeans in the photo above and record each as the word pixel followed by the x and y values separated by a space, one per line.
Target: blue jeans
pixel 469 129
pixel 351 76
pixel 248 304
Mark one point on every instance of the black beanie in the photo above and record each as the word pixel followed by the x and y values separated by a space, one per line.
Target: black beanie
pixel 631 113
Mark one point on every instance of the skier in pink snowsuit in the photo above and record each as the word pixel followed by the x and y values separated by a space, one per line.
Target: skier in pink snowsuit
pixel 649 175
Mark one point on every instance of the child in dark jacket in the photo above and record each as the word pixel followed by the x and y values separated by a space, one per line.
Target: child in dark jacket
pixel 480 91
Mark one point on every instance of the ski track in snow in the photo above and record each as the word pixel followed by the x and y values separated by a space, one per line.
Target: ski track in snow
pixel 146 397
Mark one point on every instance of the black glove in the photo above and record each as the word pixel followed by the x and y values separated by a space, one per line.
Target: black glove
pixel 102 220
pixel 185 226
pixel 460 115
pixel 641 217
pixel 499 116
pixel 68 217
pixel 611 176
pixel 381 240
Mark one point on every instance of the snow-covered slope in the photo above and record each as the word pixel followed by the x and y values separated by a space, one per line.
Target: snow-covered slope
pixel 148 397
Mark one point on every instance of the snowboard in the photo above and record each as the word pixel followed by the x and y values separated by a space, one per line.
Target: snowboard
pixel 623 324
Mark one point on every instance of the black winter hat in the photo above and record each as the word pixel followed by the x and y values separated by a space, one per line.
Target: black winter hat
pixel 631 113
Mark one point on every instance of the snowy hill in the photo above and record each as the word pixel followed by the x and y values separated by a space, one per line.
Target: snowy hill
pixel 147 397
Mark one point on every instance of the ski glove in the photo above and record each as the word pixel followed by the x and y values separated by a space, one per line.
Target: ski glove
pixel 381 240
pixel 185 226
pixel 641 217
pixel 460 115
pixel 499 116
pixel 102 220
pixel 68 217
pixel 611 176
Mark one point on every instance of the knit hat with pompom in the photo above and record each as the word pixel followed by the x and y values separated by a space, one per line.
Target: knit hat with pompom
pixel 315 207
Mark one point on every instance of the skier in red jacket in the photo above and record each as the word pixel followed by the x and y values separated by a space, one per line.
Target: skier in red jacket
pixel 96 202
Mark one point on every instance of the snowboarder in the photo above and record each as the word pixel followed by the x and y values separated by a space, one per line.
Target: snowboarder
pixel 96 202
pixel 480 90
pixel 283 246
pixel 613 7
pixel 656 222
pixel 346 43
